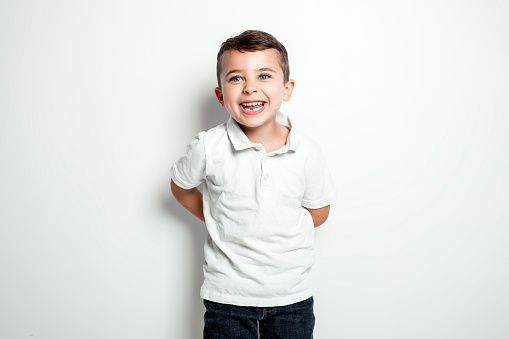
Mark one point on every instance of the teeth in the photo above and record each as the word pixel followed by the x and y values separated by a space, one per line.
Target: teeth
pixel 249 104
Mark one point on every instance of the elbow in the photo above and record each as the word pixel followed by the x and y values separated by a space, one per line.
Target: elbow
pixel 320 221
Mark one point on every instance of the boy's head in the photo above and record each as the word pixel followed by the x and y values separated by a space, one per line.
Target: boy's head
pixel 251 41
pixel 253 78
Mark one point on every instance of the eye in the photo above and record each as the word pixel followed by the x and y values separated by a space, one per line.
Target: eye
pixel 236 78
pixel 264 76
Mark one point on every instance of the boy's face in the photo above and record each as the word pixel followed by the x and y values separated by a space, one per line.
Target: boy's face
pixel 253 87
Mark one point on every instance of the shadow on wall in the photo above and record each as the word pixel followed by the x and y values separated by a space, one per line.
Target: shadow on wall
pixel 212 114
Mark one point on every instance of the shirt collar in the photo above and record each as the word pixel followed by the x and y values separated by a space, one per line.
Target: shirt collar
pixel 240 141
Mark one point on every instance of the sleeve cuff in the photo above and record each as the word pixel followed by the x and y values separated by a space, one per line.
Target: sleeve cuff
pixel 321 203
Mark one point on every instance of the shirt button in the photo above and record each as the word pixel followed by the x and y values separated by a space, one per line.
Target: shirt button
pixel 265 160
pixel 266 177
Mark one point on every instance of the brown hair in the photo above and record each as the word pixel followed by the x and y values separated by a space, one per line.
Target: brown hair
pixel 251 41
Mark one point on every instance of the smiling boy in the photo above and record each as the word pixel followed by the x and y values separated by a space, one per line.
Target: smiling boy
pixel 265 187
pixel 253 87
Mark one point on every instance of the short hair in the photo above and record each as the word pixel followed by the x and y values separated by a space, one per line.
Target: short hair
pixel 251 41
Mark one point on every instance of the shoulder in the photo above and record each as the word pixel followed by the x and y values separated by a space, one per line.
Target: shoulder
pixel 306 143
pixel 210 136
pixel 214 134
pixel 310 152
pixel 212 143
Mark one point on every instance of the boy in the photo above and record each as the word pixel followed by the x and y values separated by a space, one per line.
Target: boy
pixel 266 186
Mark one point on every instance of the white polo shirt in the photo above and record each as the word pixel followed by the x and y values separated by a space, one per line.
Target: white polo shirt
pixel 260 246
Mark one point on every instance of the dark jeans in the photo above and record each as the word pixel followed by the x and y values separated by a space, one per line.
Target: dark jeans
pixel 295 321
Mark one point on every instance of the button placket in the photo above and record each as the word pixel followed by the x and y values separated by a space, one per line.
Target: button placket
pixel 265 179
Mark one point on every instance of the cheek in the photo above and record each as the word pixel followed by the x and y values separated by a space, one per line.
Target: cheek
pixel 280 91
pixel 275 91
pixel 229 93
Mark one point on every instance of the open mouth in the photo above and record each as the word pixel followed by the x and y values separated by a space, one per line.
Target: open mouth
pixel 253 107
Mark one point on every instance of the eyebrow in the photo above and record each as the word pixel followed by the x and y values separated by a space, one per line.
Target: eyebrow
pixel 264 69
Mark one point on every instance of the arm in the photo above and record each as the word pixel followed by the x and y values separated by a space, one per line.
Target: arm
pixel 319 215
pixel 191 199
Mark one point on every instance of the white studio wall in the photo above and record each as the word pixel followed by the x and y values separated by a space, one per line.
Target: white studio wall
pixel 409 100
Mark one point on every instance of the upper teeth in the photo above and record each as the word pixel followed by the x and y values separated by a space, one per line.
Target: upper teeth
pixel 252 103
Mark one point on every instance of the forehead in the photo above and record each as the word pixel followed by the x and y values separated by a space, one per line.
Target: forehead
pixel 245 61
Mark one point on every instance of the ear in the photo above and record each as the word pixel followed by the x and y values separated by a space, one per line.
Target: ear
pixel 287 94
pixel 219 96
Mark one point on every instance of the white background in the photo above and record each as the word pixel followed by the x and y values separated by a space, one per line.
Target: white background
pixel 409 100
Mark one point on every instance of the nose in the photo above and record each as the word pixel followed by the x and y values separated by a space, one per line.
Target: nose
pixel 250 88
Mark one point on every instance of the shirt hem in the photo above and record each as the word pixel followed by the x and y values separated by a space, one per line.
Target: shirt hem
pixel 257 302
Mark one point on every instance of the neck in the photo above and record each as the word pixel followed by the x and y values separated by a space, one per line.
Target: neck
pixel 272 137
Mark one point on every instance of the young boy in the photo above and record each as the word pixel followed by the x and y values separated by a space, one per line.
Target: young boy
pixel 265 187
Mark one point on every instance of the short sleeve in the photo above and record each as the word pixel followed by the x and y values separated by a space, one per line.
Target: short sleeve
pixel 189 171
pixel 320 190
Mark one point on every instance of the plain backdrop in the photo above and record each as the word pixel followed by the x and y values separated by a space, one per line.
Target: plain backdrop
pixel 408 99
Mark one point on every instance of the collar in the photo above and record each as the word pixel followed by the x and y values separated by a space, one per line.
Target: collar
pixel 240 141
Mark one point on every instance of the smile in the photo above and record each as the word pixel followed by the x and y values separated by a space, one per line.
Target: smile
pixel 252 108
